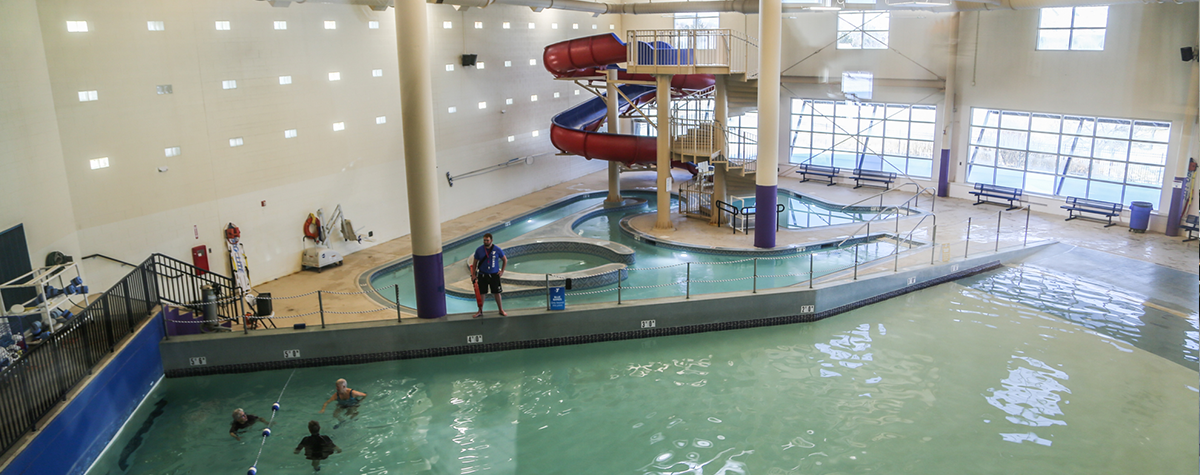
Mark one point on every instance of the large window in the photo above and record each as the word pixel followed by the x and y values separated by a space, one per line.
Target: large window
pixel 742 139
pixel 874 136
pixel 862 30
pixel 1116 160
pixel 697 21
pixel 1072 28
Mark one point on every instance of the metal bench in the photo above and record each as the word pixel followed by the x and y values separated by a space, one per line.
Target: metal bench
pixel 1076 206
pixel 983 191
pixel 1189 225
pixel 818 170
pixel 861 175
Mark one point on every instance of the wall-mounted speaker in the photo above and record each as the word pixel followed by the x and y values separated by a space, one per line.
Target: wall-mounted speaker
pixel 1187 53
pixel 469 59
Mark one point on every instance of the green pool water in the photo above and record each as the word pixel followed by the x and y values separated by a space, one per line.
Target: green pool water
pixel 948 380
pixel 554 262
pixel 658 271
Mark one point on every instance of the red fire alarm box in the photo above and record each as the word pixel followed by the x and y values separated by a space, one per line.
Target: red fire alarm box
pixel 200 259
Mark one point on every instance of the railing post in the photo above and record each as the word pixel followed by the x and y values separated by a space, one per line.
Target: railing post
pixel 321 308
pixel 619 286
pixel 128 307
pixel 856 262
pixel 241 309
pixel 399 317
pixel 999 215
pixel 811 276
pixel 754 290
pixel 967 249
pixel 1026 243
pixel 108 322
pixel 933 254
pixel 687 283
pixel 896 264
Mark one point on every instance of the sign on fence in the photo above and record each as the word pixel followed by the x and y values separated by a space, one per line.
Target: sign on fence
pixel 558 298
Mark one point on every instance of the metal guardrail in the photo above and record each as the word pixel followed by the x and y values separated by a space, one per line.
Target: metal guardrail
pixel 42 377
pixel 687 51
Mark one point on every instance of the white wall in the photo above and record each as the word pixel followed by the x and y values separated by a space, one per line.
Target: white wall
pixel 131 209
pixel 1139 74
pixel 32 177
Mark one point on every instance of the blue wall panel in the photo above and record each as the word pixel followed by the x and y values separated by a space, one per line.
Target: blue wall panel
pixel 74 439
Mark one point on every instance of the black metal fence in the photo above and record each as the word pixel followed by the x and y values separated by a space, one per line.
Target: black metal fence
pixel 41 378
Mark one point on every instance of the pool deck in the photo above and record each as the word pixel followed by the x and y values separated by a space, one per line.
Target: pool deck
pixel 952 215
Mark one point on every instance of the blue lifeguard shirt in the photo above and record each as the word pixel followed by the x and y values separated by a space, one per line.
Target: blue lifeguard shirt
pixel 489 261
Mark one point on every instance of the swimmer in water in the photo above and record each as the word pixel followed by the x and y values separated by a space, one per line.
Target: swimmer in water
pixel 347 399
pixel 317 447
pixel 243 421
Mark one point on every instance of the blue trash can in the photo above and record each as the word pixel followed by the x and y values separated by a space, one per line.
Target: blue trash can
pixel 1139 216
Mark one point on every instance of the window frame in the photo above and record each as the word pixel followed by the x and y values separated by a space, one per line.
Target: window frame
pixel 844 33
pixel 1071 29
pixel 1089 161
pixel 888 125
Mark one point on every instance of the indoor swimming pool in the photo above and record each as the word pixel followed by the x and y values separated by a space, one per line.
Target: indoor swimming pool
pixel 1024 369
pixel 659 271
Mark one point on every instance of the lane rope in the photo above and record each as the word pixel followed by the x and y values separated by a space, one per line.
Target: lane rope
pixel 267 431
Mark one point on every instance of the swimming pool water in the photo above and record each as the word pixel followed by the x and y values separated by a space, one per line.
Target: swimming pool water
pixel 947 380
pixel 709 273
pixel 545 262
pixel 801 212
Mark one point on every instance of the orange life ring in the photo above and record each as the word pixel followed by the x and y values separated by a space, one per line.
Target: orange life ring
pixel 312 227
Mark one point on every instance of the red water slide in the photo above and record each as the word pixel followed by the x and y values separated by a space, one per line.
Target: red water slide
pixel 571 130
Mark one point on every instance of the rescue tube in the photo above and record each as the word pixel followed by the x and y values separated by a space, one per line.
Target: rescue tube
pixel 312 227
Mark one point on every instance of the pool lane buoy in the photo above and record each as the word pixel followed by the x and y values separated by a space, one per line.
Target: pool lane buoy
pixel 275 407
pixel 267 432
pixel 252 471
pixel 312 228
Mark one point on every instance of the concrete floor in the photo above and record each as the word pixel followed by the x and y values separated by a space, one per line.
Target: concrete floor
pixel 342 293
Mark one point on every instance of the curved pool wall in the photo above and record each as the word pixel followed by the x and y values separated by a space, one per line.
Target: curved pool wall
pixel 528 291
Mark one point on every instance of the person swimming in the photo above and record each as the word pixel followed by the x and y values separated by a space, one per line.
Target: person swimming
pixel 243 421
pixel 317 447
pixel 347 400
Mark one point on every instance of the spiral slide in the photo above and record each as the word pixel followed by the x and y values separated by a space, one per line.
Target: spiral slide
pixel 573 130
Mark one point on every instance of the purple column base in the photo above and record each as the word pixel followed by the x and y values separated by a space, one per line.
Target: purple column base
pixel 944 175
pixel 765 219
pixel 430 279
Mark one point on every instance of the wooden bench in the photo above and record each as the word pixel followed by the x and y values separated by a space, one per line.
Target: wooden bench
pixel 818 170
pixel 1189 225
pixel 1075 206
pixel 983 191
pixel 861 175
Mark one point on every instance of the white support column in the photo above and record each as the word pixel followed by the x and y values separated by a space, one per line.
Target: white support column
pixel 614 168
pixel 770 26
pixel 944 165
pixel 721 116
pixel 663 96
pixel 420 157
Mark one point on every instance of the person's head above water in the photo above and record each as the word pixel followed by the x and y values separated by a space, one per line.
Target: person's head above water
pixel 314 428
pixel 239 415
pixel 340 384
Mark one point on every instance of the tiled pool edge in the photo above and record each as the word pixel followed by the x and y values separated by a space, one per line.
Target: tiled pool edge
pixel 379 341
